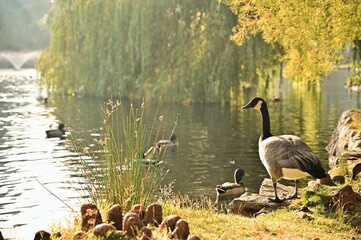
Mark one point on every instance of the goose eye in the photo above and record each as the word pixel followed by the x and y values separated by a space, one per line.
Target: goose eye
pixel 258 105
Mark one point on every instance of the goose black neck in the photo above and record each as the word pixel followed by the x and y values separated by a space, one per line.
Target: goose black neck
pixel 266 131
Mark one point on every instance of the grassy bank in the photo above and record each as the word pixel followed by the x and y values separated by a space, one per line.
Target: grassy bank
pixel 117 176
pixel 280 224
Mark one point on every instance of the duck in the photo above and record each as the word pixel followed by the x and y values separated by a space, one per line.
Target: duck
pixel 171 142
pixel 276 99
pixel 159 146
pixel 284 156
pixel 42 99
pixel 151 156
pixel 231 190
pixel 152 153
pixel 56 133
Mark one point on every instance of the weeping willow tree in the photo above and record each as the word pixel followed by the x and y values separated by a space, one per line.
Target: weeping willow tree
pixel 176 49
pixel 312 33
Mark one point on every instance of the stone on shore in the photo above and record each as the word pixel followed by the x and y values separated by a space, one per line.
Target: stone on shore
pixel 153 215
pixel 115 217
pixel 105 230
pixel 90 216
pixel 345 141
pixel 252 204
pixel 132 224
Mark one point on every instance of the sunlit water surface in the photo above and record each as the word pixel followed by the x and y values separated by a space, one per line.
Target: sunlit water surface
pixel 213 141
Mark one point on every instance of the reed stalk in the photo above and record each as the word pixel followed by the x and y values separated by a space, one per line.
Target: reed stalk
pixel 117 173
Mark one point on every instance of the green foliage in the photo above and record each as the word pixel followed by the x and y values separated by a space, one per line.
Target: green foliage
pixel 312 33
pixel 115 173
pixel 318 198
pixel 179 50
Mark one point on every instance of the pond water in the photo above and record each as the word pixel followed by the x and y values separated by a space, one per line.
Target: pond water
pixel 213 141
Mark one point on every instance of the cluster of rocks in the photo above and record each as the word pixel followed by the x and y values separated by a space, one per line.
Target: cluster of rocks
pixel 345 145
pixel 139 223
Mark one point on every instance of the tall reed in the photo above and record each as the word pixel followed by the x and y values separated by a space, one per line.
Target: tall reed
pixel 116 173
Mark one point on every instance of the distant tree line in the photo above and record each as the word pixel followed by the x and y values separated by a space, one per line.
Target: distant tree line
pixel 22 25
pixel 181 49
pixel 176 49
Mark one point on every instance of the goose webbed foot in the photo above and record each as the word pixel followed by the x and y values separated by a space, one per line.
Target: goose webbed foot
pixel 276 200
pixel 293 196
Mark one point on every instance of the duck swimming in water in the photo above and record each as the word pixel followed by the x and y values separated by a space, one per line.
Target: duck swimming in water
pixel 56 133
pixel 171 142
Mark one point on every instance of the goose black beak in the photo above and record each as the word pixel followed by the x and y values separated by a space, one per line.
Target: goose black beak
pixel 248 105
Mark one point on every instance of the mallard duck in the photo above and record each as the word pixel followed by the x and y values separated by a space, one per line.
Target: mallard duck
pixel 56 133
pixel 154 151
pixel 171 142
pixel 231 190
pixel 284 156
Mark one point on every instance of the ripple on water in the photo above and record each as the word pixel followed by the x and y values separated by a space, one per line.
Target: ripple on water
pixel 32 168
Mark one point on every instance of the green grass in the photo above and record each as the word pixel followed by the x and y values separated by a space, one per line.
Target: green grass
pixel 115 173
pixel 356 119
pixel 280 224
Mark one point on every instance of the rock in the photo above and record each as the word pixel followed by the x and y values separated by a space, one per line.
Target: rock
pixel 302 211
pixel 153 215
pixel 351 155
pixel 345 141
pixel 138 209
pixel 339 179
pixel 115 217
pixel 1 236
pixel 266 189
pixel 326 181
pixel 356 169
pixel 181 230
pixel 169 223
pixel 42 235
pixel 344 198
pixel 250 204
pixel 80 235
pixel 132 224
pixel 145 233
pixel 105 230
pixel 193 237
pixel 90 216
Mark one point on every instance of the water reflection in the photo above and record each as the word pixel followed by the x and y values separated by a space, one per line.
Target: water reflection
pixel 213 141
pixel 29 163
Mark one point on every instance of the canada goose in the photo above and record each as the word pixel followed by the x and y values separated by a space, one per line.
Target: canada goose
pixel 56 133
pixel 284 156
pixel 231 190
